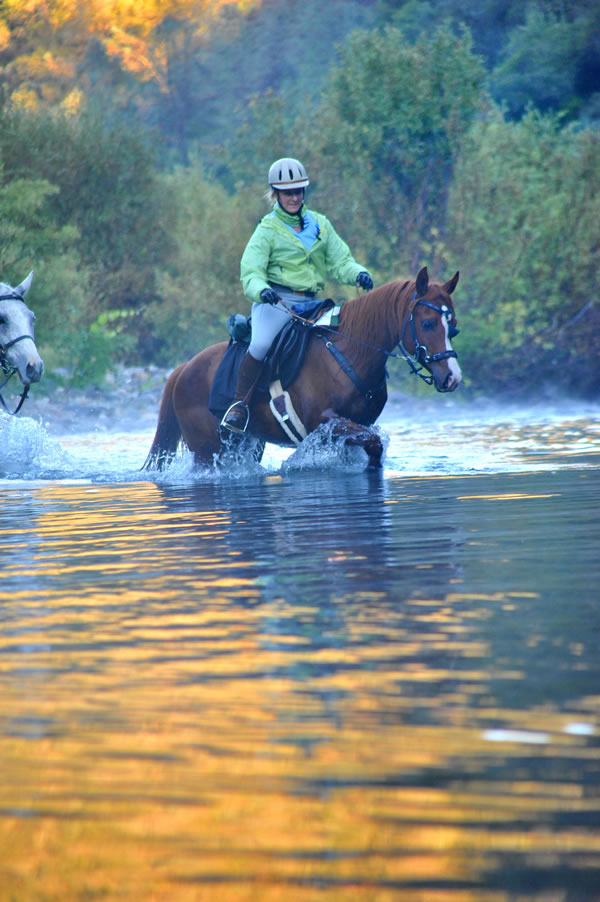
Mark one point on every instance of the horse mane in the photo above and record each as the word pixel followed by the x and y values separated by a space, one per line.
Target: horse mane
pixel 375 317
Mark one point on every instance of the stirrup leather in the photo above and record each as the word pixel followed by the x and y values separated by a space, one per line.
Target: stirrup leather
pixel 231 426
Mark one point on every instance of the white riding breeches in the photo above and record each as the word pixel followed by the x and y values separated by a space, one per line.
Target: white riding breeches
pixel 267 321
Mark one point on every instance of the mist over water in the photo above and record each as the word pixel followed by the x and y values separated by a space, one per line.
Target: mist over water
pixel 302 680
pixel 421 438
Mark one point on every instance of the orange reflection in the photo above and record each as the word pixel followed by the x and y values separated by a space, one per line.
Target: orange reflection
pixel 172 739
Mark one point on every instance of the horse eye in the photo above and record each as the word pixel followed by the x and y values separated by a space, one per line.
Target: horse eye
pixel 428 325
pixel 453 332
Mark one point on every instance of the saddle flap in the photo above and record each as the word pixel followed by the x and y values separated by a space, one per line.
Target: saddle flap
pixel 283 361
pixel 287 352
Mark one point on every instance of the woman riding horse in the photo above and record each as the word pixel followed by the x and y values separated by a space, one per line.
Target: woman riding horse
pixel 289 256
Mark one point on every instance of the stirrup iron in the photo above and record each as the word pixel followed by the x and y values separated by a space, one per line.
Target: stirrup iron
pixel 224 425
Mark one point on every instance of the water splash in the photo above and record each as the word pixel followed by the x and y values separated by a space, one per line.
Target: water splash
pixel 323 450
pixel 417 442
pixel 26 449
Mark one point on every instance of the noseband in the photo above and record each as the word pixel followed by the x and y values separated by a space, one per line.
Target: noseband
pixel 421 356
pixel 8 370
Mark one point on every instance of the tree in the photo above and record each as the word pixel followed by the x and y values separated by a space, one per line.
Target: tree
pixel 31 238
pixel 524 229
pixel 199 287
pixel 389 128
pixel 106 185
pixel 539 63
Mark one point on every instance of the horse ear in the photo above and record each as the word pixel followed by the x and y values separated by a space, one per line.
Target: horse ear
pixel 25 285
pixel 451 285
pixel 422 283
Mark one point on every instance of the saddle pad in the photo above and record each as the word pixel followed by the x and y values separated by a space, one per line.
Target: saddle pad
pixel 331 316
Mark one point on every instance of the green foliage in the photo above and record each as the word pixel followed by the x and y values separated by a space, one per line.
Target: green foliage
pixel 199 286
pixel 271 130
pixel 107 187
pixel 387 132
pixel 539 63
pixel 32 239
pixel 28 230
pixel 524 224
pixel 97 345
pixel 92 224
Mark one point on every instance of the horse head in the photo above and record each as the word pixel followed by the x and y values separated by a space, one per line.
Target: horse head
pixel 18 352
pixel 429 329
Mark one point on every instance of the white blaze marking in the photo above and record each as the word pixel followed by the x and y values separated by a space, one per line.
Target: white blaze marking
pixel 452 361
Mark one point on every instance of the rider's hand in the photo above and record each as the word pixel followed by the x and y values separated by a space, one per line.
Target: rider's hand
pixel 268 296
pixel 364 280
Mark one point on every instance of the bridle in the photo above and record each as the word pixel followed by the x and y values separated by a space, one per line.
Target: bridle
pixel 421 357
pixel 416 361
pixel 9 370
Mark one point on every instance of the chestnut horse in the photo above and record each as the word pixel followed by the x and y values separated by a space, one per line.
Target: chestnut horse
pixel 342 380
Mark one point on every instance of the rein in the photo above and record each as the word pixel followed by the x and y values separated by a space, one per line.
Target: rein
pixel 8 370
pixel 421 354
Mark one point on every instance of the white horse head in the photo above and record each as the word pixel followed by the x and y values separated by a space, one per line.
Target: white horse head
pixel 18 352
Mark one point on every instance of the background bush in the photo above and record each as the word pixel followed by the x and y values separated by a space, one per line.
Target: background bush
pixel 524 222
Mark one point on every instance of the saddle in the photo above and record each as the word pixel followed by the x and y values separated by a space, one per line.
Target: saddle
pixel 282 363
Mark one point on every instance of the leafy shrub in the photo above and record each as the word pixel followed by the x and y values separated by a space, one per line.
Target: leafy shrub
pixel 107 184
pixel 388 130
pixel 539 63
pixel 200 285
pixel 91 224
pixel 524 226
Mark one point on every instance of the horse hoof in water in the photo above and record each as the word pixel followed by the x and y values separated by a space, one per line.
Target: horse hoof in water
pixel 364 438
pixel 374 449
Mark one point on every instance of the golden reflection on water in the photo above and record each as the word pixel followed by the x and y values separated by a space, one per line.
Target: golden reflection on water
pixel 169 732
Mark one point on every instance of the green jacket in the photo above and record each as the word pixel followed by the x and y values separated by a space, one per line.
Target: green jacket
pixel 276 254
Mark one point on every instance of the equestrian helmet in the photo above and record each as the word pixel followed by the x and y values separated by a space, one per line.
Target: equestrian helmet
pixel 287 173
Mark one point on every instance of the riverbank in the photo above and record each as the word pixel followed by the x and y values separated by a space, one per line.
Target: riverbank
pixel 129 400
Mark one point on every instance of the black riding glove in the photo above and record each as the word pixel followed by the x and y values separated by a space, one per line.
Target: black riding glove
pixel 364 280
pixel 268 296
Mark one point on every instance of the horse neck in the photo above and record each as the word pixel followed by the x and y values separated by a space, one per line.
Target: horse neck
pixel 378 317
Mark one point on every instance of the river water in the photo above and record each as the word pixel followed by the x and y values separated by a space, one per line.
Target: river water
pixel 304 681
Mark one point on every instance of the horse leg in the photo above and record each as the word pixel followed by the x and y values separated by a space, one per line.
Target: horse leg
pixel 355 434
pixel 209 444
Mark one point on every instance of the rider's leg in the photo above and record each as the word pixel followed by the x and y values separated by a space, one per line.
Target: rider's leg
pixel 267 321
pixel 236 418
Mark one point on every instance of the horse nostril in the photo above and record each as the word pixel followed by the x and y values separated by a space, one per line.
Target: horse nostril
pixel 34 371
